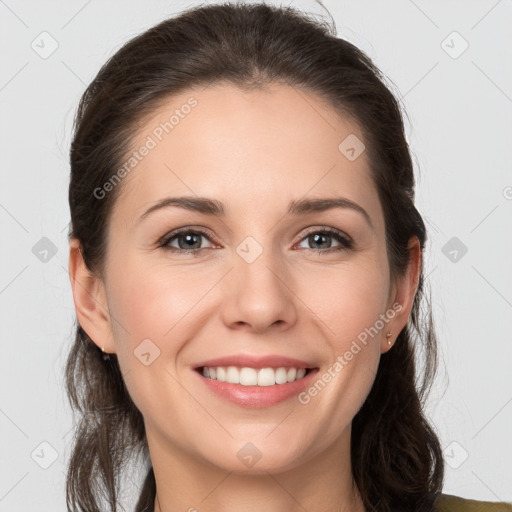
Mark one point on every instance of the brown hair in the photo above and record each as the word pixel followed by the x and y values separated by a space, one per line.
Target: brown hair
pixel 396 456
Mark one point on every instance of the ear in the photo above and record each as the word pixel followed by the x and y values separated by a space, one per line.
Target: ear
pixel 90 300
pixel 402 295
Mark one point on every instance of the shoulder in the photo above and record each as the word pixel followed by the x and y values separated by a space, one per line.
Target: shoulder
pixel 449 503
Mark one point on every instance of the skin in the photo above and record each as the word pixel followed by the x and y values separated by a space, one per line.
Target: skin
pixel 254 151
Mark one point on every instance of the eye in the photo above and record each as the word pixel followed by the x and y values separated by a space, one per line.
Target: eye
pixel 323 237
pixel 188 240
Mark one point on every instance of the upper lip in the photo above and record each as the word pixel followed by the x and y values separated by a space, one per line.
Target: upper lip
pixel 253 361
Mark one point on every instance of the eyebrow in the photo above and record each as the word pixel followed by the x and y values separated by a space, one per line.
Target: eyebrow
pixel 215 208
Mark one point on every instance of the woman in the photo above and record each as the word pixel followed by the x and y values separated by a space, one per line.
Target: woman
pixel 247 270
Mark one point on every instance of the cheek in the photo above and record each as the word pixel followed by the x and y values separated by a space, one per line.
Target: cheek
pixel 153 302
pixel 349 305
pixel 158 310
pixel 153 308
pixel 346 300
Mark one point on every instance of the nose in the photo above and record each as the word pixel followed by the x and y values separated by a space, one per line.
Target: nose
pixel 259 295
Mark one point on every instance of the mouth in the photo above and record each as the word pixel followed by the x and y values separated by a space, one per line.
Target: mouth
pixel 248 376
pixel 251 388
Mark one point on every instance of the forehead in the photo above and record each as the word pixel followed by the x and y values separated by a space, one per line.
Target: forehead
pixel 245 147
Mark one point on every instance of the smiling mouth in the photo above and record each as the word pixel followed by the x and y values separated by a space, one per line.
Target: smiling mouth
pixel 247 376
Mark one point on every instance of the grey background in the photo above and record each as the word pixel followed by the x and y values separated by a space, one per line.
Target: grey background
pixel 459 128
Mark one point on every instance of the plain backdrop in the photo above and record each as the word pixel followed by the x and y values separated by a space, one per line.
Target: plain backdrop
pixel 449 62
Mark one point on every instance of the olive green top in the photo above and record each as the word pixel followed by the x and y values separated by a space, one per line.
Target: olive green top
pixel 449 503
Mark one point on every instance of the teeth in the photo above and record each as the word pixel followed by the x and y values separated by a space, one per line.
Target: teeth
pixel 254 377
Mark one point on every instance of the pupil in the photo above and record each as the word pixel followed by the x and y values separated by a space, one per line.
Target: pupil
pixel 189 238
pixel 317 237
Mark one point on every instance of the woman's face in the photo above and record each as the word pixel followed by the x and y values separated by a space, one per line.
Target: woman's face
pixel 266 281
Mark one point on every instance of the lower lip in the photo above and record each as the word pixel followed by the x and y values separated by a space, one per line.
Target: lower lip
pixel 258 396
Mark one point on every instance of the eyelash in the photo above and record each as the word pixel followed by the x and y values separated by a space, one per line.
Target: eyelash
pixel 346 243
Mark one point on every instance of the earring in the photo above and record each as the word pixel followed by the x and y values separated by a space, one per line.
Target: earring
pixel 389 341
pixel 106 357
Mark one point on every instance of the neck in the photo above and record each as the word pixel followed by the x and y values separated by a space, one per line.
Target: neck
pixel 322 483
